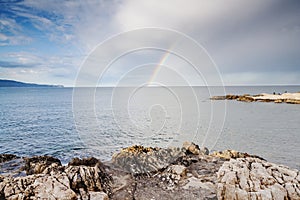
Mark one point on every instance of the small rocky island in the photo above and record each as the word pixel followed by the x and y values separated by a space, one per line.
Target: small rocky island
pixel 291 98
pixel 139 172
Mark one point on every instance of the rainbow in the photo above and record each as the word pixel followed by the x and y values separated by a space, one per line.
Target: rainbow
pixel 158 67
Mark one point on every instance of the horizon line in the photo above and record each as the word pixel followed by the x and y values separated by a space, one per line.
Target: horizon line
pixel 153 86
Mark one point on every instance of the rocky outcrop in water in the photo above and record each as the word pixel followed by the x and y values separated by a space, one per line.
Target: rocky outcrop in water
pixel 290 98
pixel 139 172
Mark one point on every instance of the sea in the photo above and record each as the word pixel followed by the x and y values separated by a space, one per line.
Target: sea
pixel 82 122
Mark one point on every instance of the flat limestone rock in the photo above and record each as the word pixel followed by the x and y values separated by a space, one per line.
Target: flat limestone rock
pixel 246 178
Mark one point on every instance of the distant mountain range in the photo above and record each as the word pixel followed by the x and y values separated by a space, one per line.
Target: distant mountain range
pixel 12 83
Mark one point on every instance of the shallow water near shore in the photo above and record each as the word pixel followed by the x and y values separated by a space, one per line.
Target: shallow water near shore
pixel 38 121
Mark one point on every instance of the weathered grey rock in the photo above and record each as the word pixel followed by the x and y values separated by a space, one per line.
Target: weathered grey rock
pixel 278 192
pixel 190 176
pixel 91 178
pixel 192 148
pixel 37 187
pixel 39 164
pixel 139 159
pixel 228 154
pixel 255 178
pixel 98 196
pixel 53 187
pixel 83 194
pixel 123 185
pixel 178 170
pixel 7 157
pixel 13 187
pixel 72 182
pixel 291 189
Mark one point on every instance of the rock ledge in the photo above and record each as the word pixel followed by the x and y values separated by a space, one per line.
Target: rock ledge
pixel 139 172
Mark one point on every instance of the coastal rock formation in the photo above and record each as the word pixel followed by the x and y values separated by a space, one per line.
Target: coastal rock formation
pixel 191 148
pixel 253 178
pixel 228 154
pixel 291 98
pixel 139 172
pixel 191 177
pixel 7 157
pixel 47 179
pixel 38 186
pixel 39 164
pixel 139 159
pixel 10 165
pixel 88 175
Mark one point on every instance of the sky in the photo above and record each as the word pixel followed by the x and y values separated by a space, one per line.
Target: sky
pixel 250 42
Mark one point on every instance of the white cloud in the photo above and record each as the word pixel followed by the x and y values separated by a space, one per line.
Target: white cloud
pixel 85 24
pixel 3 37
pixel 12 33
pixel 10 25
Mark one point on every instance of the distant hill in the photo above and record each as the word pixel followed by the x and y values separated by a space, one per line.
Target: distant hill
pixel 11 83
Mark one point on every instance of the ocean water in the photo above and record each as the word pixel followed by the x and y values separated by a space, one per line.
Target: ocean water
pixel 67 122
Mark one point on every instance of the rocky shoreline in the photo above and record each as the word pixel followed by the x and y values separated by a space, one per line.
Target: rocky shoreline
pixel 139 172
pixel 290 98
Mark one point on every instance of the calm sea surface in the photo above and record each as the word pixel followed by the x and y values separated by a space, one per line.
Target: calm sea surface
pixel 53 121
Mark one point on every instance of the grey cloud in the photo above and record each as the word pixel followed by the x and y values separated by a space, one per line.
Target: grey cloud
pixel 243 37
